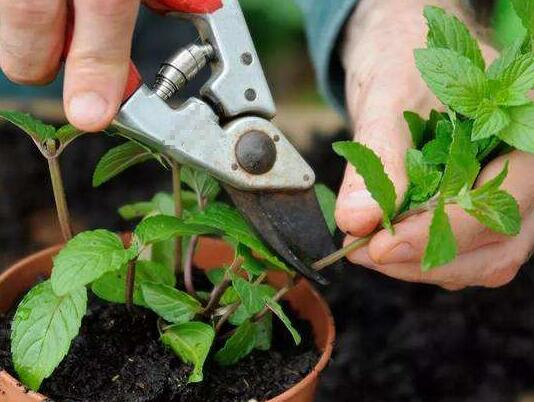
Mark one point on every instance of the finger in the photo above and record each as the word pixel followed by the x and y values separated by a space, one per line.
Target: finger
pixel 490 266
pixel 409 242
pixel 377 98
pixel 356 211
pixel 31 39
pixel 98 62
pixel 411 236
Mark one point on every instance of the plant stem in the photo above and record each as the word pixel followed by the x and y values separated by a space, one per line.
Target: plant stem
pixel 281 293
pixel 360 242
pixel 341 253
pixel 60 197
pixel 130 284
pixel 226 316
pixel 178 209
pixel 235 306
pixel 188 264
pixel 219 290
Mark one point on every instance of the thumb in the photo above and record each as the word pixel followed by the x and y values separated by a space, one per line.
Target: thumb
pixel 382 81
pixel 357 213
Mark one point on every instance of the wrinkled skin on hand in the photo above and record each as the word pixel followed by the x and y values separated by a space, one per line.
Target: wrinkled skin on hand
pixel 383 82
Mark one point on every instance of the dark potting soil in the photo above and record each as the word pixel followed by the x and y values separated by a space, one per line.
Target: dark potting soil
pixel 118 358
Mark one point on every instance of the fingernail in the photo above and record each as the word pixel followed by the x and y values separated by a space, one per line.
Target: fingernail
pixel 87 108
pixel 358 199
pixel 402 252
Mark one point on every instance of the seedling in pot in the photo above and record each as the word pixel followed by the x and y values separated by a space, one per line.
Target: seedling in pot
pixel 488 113
pixel 236 313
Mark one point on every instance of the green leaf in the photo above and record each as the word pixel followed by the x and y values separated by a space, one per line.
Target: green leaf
pixel 277 309
pixel 448 32
pixel 86 258
pixel 525 11
pixel 42 331
pixel 417 126
pixel 216 276
pixel 169 303
pixel 508 55
pixel 264 332
pixel 514 82
pixel 136 210
pixel 424 177
pixel 239 345
pixel 250 263
pixel 436 151
pixel 112 286
pixel 491 120
pixel 327 201
pixel 498 211
pixel 435 118
pixel 454 79
pixel 520 132
pixel 492 207
pixel 164 252
pixel 369 166
pixel 240 316
pixel 35 128
pixel 192 342
pixel 252 296
pixel 441 248
pixel 161 203
pixel 230 296
pixel 163 227
pixel 119 159
pixel 228 220
pixel 462 166
pixel 201 183
pixel 68 133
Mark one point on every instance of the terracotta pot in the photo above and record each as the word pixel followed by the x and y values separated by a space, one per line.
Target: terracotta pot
pixel 211 254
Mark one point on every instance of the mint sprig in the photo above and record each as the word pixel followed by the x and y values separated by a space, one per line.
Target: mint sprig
pixel 488 109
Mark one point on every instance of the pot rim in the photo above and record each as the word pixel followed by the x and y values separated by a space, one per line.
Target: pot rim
pixel 326 353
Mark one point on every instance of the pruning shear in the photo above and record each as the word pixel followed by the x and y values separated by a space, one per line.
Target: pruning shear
pixel 227 131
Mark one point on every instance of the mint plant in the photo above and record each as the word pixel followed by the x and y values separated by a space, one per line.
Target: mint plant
pixel 232 318
pixel 488 112
pixel 132 153
pixel 51 142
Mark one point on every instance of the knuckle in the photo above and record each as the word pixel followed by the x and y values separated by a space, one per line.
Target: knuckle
pixel 94 63
pixel 30 77
pixel 23 13
pixel 27 76
pixel 22 69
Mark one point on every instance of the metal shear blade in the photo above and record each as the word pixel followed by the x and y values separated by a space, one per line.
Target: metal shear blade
pixel 291 223
pixel 235 141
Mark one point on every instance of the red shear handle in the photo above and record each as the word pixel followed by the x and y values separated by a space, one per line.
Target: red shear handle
pixel 160 6
pixel 184 6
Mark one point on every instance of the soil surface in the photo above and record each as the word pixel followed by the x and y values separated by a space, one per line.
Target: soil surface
pixel 118 357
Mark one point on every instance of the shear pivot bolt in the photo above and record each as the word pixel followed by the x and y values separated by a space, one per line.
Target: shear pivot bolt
pixel 250 95
pixel 256 152
pixel 246 59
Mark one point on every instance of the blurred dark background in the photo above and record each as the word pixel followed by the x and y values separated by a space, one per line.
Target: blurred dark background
pixel 396 341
